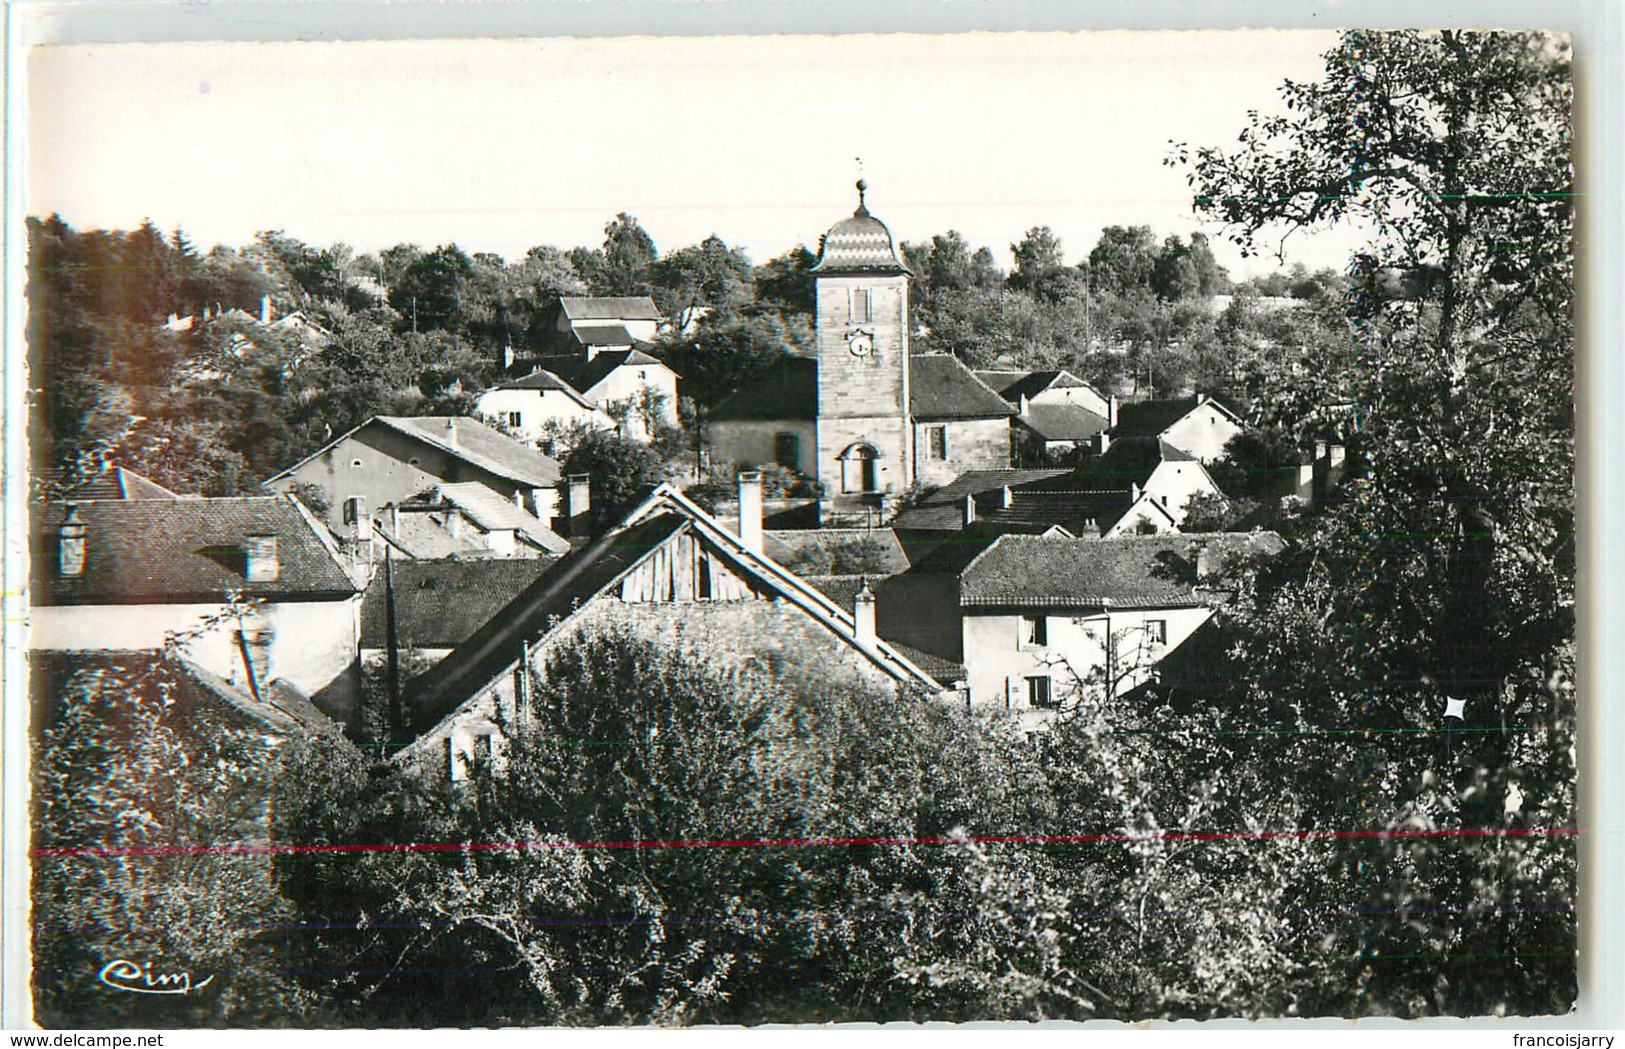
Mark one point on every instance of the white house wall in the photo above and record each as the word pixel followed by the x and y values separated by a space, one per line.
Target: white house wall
pixel 313 643
pixel 536 409
pixel 997 665
pixel 625 385
pixel 1203 433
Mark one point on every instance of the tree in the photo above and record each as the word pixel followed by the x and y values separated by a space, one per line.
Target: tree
pixel 1445 575
pixel 709 276
pixel 623 265
pixel 786 282
pixel 129 760
pixel 1123 259
pixel 631 738
pixel 621 470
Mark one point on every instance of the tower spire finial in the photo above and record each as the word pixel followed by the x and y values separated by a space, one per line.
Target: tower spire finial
pixel 863 187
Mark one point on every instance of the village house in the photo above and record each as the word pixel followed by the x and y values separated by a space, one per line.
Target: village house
pixel 1196 427
pixel 671 572
pixel 1033 620
pixel 865 418
pixel 636 391
pixel 466 520
pixel 592 321
pixel 1130 489
pixel 249 588
pixel 388 459
pixel 539 407
pixel 1057 412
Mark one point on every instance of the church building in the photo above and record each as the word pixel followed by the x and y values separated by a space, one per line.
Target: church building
pixel 865 418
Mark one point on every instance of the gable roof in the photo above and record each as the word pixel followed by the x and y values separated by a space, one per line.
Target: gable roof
pixel 115 482
pixel 1152 417
pixel 161 551
pixel 493 513
pixel 604 335
pixel 474 443
pixel 543 380
pixel 941 387
pixel 788 390
pixel 1013 385
pixel 816 551
pixel 545 605
pixel 1063 422
pixel 440 604
pixel 1024 571
pixel 943 508
pixel 1127 460
pixel 584 374
pixel 280 708
pixel 610 308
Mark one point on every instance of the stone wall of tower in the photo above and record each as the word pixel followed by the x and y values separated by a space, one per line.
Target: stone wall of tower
pixel 863 398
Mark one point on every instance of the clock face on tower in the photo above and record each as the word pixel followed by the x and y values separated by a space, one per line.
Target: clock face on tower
pixel 861 343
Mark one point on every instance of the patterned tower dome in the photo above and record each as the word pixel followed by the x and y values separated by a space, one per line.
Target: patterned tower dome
pixel 860 244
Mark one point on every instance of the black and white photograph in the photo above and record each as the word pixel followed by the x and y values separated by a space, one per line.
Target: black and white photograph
pixel 806 529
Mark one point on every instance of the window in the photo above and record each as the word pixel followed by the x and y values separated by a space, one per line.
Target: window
pixel 787 450
pixel 355 464
pixel 861 312
pixel 514 420
pixel 1034 631
pixel 1039 695
pixel 1156 631
pixel 355 508
pixel 936 443
pixel 414 461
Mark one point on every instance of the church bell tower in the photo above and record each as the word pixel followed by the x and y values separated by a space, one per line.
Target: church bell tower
pixel 861 327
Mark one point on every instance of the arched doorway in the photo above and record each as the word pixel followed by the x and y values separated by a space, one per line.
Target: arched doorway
pixel 860 470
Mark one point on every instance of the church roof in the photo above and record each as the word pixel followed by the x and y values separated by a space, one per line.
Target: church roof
pixel 940 387
pixel 860 244
pixel 788 390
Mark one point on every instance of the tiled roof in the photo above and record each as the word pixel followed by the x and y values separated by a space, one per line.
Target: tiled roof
pixel 1131 572
pixel 423 536
pixel 943 508
pixel 439 604
pixel 480 445
pixel 542 379
pixel 946 671
pixel 860 244
pixel 940 387
pixel 492 512
pixel 573 581
pixel 1150 418
pixel 158 551
pixel 116 482
pixel 841 589
pixel 604 335
pixel 788 390
pixel 584 374
pixel 624 308
pixel 280 707
pixel 829 549
pixel 1063 422
pixel 1128 460
pixel 1012 385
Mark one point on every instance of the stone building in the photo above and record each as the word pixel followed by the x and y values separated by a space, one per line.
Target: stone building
pixel 881 419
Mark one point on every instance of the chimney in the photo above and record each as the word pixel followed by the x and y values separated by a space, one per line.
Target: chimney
pixel 265 309
pixel 1103 440
pixel 1201 398
pixel 1204 565
pixel 577 504
pixel 969 517
pixel 863 615
pixel 750 510
pixel 1023 406
pixel 1133 492
pixel 1007 498
pixel 262 564
pixel 451 432
pixel 1113 412
pixel 71 545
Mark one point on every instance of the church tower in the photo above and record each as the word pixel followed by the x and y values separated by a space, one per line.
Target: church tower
pixel 861 326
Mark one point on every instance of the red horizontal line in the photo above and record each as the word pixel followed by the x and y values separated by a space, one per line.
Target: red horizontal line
pixel 779 843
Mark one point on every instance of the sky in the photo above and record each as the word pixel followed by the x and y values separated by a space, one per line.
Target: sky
pixel 498 145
